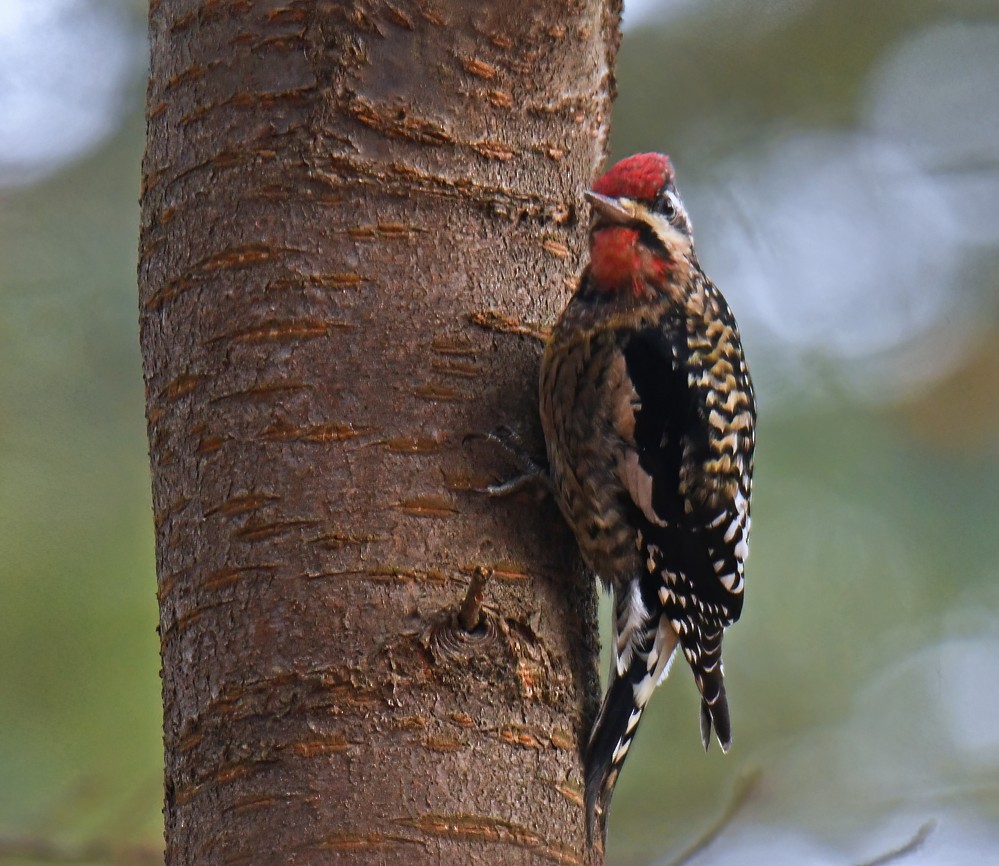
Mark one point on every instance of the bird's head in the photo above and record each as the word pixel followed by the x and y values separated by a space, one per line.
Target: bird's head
pixel 640 236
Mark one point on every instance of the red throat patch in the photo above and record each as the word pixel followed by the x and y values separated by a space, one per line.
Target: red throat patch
pixel 614 258
pixel 619 262
pixel 638 177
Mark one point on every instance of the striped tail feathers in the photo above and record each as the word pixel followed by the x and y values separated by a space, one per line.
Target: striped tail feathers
pixel 702 650
pixel 605 753
pixel 642 656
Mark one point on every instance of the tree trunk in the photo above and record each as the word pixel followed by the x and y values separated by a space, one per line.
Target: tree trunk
pixel 356 220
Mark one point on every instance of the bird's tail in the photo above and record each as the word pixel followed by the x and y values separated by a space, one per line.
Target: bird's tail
pixel 647 663
pixel 704 656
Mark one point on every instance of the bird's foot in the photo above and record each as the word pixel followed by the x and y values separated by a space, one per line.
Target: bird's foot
pixel 533 472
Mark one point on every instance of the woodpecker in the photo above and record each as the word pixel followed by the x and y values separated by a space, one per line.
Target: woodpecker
pixel 649 414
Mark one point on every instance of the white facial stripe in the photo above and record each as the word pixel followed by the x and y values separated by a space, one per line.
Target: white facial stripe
pixel 674 200
pixel 674 240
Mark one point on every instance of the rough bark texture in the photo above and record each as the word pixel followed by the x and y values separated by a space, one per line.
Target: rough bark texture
pixel 356 219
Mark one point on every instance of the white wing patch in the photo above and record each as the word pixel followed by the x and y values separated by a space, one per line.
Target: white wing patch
pixel 638 483
pixel 663 648
pixel 631 619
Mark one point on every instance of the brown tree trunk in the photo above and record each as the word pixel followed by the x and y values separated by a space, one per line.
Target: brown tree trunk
pixel 356 218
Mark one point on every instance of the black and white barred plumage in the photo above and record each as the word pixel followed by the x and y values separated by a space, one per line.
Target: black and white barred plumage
pixel 649 415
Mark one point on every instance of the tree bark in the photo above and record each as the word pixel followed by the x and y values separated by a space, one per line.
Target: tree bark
pixel 357 219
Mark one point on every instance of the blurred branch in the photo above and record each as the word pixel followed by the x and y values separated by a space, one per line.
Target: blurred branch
pixel 910 847
pixel 747 785
pixel 41 850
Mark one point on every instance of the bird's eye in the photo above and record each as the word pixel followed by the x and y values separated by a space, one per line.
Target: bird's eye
pixel 667 207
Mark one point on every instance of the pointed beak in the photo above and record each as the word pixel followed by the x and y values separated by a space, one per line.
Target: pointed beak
pixel 609 210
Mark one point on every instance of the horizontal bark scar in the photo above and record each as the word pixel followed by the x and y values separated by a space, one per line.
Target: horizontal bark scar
pixel 492 320
pixel 488 829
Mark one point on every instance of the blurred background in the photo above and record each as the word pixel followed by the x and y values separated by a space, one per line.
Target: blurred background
pixel 840 162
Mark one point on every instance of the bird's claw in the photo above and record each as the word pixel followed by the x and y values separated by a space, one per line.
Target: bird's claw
pixel 532 472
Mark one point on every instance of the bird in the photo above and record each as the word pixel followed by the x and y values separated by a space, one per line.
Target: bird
pixel 649 416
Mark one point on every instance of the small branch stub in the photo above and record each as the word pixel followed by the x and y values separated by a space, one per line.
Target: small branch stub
pixel 470 612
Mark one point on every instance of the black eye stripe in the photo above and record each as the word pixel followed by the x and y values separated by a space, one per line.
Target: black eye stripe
pixel 650 239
